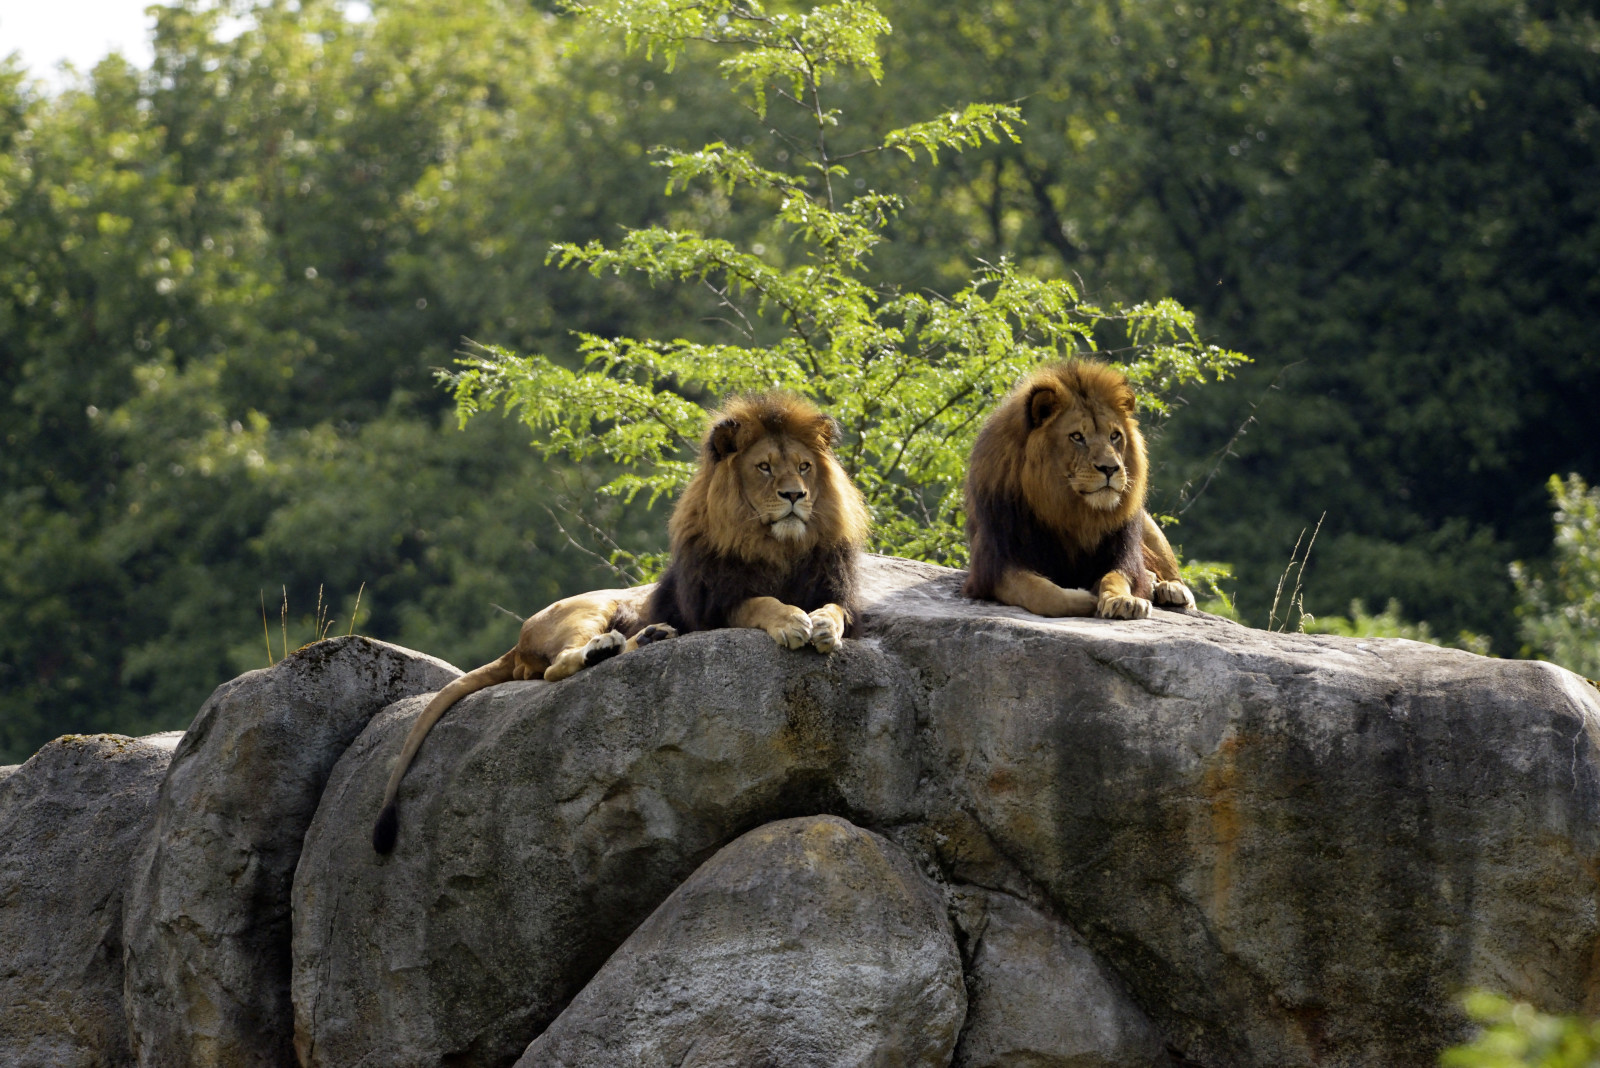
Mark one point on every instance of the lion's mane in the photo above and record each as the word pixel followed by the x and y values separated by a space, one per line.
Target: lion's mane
pixel 1017 513
pixel 721 553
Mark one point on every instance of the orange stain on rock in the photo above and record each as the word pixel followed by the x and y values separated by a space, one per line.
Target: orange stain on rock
pixel 1220 786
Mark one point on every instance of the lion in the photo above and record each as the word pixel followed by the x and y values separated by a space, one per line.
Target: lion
pixel 1055 496
pixel 766 535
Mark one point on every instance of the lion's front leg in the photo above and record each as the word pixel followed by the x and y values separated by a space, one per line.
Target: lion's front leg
pixel 1034 593
pixel 789 626
pixel 1166 582
pixel 1117 599
pixel 1171 594
pixel 827 628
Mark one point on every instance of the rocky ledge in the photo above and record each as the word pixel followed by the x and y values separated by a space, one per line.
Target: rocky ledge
pixel 972 837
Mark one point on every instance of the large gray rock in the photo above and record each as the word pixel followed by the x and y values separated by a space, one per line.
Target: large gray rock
pixel 1289 850
pixel 807 943
pixel 207 922
pixel 1040 998
pixel 69 821
pixel 1286 850
pixel 1294 850
pixel 542 822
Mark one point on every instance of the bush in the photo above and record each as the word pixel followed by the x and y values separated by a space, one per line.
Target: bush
pixel 1560 606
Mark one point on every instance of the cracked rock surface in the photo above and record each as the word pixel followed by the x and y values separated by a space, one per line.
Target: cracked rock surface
pixel 69 821
pixel 807 943
pixel 1279 849
pixel 207 905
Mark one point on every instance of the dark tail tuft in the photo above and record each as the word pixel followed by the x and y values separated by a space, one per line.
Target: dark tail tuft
pixel 387 829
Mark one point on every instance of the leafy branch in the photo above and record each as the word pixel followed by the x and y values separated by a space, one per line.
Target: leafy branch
pixel 908 374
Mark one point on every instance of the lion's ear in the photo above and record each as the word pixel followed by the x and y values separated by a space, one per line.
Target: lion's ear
pixel 723 441
pixel 832 432
pixel 1124 399
pixel 1042 404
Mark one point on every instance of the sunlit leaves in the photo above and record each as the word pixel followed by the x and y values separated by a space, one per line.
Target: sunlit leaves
pixel 909 374
pixel 967 128
pixel 1516 1035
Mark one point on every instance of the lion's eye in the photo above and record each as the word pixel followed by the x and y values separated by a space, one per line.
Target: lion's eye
pixel 1116 436
pixel 804 467
pixel 764 467
pixel 1076 437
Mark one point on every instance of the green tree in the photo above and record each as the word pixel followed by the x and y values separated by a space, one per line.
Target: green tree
pixel 1387 204
pixel 1560 606
pixel 907 373
pixel 220 316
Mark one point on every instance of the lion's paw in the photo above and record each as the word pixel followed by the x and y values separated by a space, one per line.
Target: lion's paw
pixel 1172 595
pixel 792 630
pixel 566 664
pixel 655 632
pixel 1120 606
pixel 825 632
pixel 603 647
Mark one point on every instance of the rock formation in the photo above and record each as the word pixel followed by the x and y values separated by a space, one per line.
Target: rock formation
pixel 807 943
pixel 69 821
pixel 1169 841
pixel 207 906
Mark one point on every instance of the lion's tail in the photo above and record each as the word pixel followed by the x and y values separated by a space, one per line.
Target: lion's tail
pixel 387 829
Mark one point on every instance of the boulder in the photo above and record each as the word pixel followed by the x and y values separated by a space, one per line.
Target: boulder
pixel 808 943
pixel 1040 997
pixel 1286 849
pixel 1273 849
pixel 1293 849
pixel 69 821
pixel 207 924
pixel 543 822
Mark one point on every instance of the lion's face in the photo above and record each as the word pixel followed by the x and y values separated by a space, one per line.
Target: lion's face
pixel 769 487
pixel 1081 445
pixel 777 479
pixel 1081 466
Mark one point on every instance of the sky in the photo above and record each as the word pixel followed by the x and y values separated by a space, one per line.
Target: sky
pixel 79 31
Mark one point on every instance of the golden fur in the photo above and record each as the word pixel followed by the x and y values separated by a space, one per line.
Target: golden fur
pixel 765 535
pixel 767 532
pixel 1055 501
pixel 731 505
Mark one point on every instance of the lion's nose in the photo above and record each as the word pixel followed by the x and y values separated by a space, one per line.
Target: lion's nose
pixel 792 496
pixel 1108 469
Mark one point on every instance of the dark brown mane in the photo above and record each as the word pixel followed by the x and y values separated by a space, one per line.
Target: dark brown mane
pixel 721 556
pixel 1013 522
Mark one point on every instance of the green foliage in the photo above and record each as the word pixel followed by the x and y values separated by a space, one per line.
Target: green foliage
pixel 1390 623
pixel 1560 605
pixel 226 283
pixel 1516 1035
pixel 1205 578
pixel 221 301
pixel 909 374
pixel 1388 205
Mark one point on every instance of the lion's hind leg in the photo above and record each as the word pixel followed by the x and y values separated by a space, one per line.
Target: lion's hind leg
pixel 655 632
pixel 581 631
pixel 607 645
